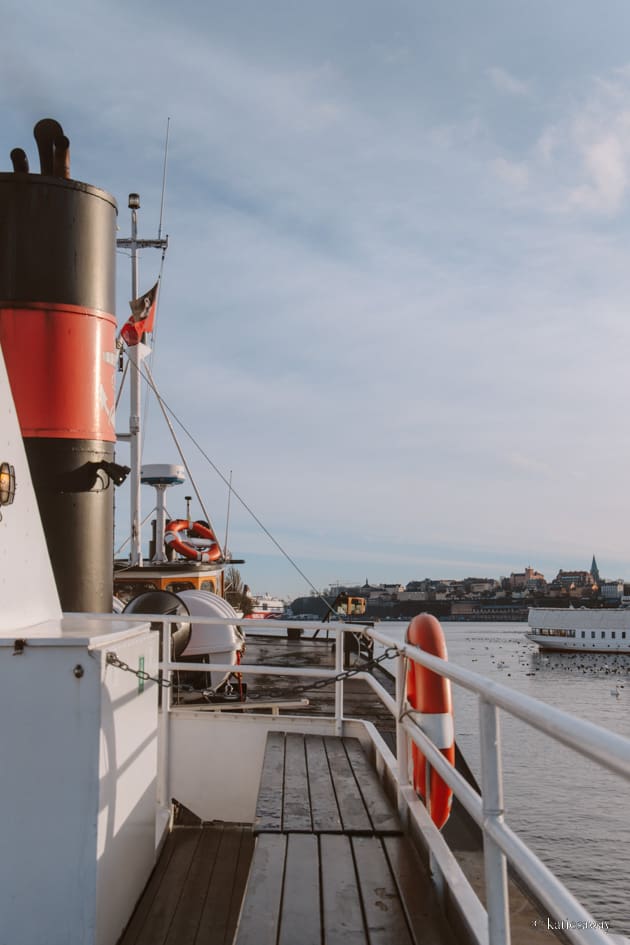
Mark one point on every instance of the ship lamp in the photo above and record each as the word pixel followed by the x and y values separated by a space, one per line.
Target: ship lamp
pixel 7 484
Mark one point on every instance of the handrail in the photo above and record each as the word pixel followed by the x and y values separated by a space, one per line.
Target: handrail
pixel 592 741
pixel 600 745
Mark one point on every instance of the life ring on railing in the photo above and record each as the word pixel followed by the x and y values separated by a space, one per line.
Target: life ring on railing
pixel 173 539
pixel 430 694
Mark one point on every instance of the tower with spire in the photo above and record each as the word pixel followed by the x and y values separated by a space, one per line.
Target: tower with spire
pixel 595 572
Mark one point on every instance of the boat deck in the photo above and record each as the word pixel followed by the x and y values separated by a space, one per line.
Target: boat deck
pixel 195 892
pixel 331 865
pixel 324 864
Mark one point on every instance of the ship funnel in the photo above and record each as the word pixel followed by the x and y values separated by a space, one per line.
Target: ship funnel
pixel 53 147
pixel 58 339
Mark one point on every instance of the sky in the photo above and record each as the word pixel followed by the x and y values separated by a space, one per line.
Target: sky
pixel 395 300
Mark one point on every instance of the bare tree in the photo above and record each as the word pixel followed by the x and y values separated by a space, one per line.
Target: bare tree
pixel 235 591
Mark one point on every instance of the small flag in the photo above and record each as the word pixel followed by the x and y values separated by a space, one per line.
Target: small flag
pixel 142 317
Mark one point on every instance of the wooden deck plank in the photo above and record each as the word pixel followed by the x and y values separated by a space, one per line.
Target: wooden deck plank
pixel 324 810
pixel 382 908
pixel 158 919
pixel 187 915
pixel 214 922
pixel 245 854
pixel 416 893
pixel 381 811
pixel 301 921
pixel 354 816
pixel 342 917
pixel 345 875
pixel 270 792
pixel 296 808
pixel 134 926
pixel 260 915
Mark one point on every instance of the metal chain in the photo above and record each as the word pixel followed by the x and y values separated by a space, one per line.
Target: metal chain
pixel 113 660
pixel 389 653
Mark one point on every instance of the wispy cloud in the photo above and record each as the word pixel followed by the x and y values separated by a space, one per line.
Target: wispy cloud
pixel 507 83
pixel 529 464
pixel 514 173
pixel 603 145
pixel 580 163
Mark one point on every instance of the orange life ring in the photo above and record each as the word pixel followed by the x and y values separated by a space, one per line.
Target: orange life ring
pixel 173 539
pixel 430 694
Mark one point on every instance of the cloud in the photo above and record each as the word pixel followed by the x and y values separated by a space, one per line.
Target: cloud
pixel 605 156
pixel 514 173
pixel 504 82
pixel 529 464
pixel 590 150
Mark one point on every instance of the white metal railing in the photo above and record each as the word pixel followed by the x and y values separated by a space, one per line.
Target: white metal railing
pixel 501 845
pixel 500 842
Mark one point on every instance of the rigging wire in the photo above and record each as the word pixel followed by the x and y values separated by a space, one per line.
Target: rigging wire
pixel 166 409
pixel 161 272
pixel 122 382
pixel 151 383
pixel 154 347
pixel 152 353
pixel 227 517
pixel 128 539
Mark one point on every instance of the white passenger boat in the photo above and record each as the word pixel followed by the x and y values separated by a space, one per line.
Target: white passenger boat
pixel 580 630
pixel 265 607
pixel 128 819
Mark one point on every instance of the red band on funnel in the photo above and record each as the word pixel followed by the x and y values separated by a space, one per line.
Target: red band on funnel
pixel 61 361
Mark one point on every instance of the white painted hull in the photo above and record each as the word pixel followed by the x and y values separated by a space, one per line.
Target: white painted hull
pixel 266 606
pixel 580 630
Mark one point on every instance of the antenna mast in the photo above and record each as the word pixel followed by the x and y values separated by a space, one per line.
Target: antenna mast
pixel 136 355
pixel 168 124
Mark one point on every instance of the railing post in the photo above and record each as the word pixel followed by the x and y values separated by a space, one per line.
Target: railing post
pixel 163 790
pixel 339 645
pixel 495 866
pixel 402 743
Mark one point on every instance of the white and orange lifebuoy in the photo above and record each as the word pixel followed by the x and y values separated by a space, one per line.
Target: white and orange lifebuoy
pixel 172 538
pixel 429 694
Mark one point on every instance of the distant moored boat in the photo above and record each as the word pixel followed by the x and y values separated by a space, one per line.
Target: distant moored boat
pixel 580 630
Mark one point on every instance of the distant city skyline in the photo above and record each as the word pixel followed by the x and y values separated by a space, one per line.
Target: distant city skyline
pixel 299 588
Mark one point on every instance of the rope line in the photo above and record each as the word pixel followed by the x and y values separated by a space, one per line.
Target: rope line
pixel 148 377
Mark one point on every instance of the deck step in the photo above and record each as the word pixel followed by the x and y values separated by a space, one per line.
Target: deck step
pixel 330 865
pixel 339 889
pixel 321 784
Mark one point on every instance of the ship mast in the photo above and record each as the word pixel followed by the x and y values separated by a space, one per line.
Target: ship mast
pixel 136 355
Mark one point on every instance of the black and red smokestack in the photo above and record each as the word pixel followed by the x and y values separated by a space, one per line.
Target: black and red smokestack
pixel 57 331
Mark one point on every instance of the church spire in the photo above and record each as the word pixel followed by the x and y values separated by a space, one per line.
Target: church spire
pixel 595 571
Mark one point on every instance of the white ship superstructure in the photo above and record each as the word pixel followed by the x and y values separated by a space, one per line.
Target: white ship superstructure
pixel 580 630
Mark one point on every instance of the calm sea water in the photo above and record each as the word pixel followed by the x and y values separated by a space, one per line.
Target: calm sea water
pixel 573 814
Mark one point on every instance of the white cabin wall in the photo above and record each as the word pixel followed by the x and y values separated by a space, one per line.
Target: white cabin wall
pixel 49 796
pixel 127 784
pixel 78 807
pixel 24 561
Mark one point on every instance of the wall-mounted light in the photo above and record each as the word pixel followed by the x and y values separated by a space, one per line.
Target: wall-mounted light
pixel 7 485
